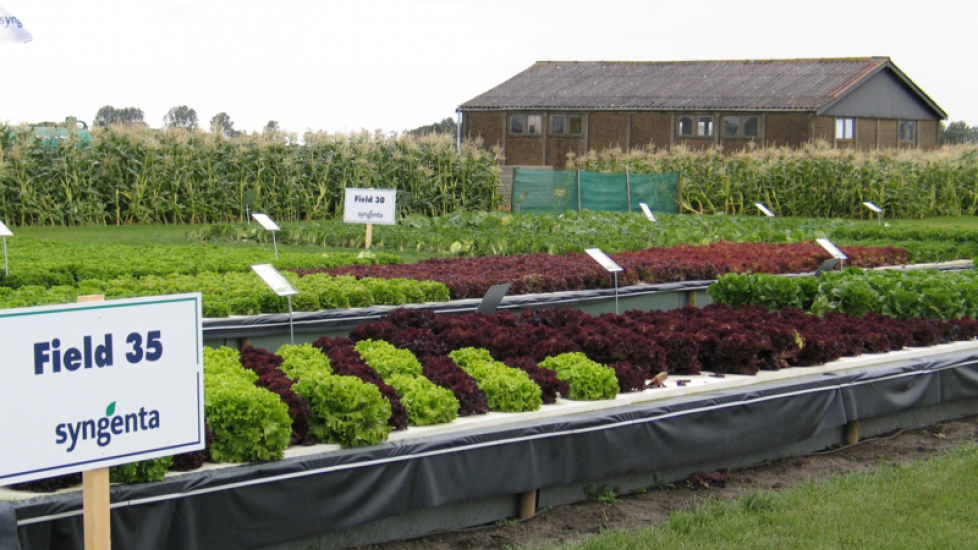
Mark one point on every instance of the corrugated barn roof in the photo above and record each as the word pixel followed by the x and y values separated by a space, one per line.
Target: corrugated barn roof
pixel 791 84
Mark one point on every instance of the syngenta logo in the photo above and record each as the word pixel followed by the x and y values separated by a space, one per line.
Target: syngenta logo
pixel 102 430
pixel 8 21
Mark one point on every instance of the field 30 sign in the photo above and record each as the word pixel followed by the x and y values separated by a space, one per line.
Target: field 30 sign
pixel 98 384
pixel 377 206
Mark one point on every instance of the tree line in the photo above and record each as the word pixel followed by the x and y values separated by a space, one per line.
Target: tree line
pixel 180 117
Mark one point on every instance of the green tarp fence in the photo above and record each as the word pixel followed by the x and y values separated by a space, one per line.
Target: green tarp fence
pixel 544 192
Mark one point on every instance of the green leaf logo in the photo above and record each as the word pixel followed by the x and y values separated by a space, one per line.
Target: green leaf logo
pixel 110 410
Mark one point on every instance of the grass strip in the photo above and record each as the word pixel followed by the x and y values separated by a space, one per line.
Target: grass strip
pixel 929 504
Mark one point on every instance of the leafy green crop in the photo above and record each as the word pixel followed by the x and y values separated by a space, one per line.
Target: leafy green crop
pixel 346 410
pixel 238 293
pixel 50 263
pixel 508 389
pixel 899 294
pixel 588 380
pixel 224 362
pixel 145 471
pixel 388 360
pixel 303 360
pixel 249 423
pixel 425 402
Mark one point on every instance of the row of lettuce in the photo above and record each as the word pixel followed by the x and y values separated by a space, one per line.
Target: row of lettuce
pixel 900 294
pixel 349 280
pixel 492 233
pixel 414 368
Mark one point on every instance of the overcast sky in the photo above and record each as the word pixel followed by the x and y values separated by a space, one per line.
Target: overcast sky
pixel 398 64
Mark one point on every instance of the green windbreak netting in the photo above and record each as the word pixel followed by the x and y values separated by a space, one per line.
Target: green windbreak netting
pixel 543 192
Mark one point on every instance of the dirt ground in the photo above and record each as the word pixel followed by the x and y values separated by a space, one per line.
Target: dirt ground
pixel 637 511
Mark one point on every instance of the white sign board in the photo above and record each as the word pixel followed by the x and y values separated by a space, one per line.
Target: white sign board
pixel 5 231
pixel 275 281
pixel 764 209
pixel 647 211
pixel 99 384
pixel 376 206
pixel 872 207
pixel 266 222
pixel 603 259
pixel 832 249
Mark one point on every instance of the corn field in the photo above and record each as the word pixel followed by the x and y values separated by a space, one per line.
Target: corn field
pixel 140 175
pixel 814 181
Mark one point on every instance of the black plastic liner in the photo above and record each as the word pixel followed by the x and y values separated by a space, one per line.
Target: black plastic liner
pixel 350 318
pixel 259 505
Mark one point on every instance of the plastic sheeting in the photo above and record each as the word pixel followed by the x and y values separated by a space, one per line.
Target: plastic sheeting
pixel 347 319
pixel 260 505
pixel 554 192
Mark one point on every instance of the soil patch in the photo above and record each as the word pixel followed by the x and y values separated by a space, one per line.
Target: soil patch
pixel 638 511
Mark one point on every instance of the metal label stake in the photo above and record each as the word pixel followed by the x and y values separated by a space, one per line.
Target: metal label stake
pixel 5 232
pixel 249 199
pixel 649 216
pixel 877 209
pixel 268 225
pixel 610 266
pixel 280 286
pixel 833 250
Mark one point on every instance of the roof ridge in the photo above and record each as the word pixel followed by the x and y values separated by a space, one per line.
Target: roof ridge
pixel 674 62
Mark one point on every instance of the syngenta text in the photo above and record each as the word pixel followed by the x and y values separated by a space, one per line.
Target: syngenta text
pixel 101 430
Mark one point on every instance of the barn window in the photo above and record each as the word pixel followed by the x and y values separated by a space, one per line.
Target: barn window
pixel 845 128
pixel 908 130
pixel 741 126
pixel 564 124
pixel 752 126
pixel 534 124
pixel 557 124
pixel 576 124
pixel 704 127
pixel 516 124
pixel 699 126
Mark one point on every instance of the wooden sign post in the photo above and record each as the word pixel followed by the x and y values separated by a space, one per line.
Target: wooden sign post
pixel 370 206
pixel 95 493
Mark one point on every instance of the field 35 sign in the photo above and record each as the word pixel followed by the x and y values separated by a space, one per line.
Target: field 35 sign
pixel 376 206
pixel 98 384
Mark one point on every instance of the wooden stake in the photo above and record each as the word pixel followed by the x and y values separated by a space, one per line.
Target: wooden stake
pixel 852 432
pixel 95 492
pixel 369 237
pixel 95 499
pixel 528 504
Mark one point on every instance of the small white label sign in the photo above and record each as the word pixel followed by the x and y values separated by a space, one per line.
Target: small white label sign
pixel 377 206
pixel 5 231
pixel 275 281
pixel 832 249
pixel 647 211
pixel 265 222
pixel 603 259
pixel 99 384
pixel 872 207
pixel 764 209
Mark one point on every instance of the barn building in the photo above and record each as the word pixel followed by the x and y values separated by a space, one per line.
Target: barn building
pixel 556 107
